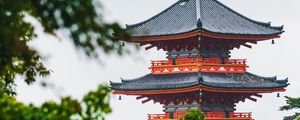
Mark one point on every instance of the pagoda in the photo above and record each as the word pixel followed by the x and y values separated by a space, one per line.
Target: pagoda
pixel 198 72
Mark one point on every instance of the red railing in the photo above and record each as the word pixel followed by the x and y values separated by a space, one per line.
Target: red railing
pixel 208 116
pixel 236 61
pixel 240 115
pixel 198 60
pixel 181 65
pixel 157 116
pixel 231 115
pixel 177 61
pixel 215 115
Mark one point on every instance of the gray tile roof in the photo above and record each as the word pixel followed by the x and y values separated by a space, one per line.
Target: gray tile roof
pixel 209 15
pixel 184 80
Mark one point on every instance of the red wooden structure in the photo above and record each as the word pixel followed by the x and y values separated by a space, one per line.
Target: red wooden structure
pixel 198 73
pixel 184 65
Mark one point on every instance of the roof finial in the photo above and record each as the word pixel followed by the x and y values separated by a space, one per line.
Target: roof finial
pixel 199 23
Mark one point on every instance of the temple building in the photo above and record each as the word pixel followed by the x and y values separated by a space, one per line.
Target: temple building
pixel 198 72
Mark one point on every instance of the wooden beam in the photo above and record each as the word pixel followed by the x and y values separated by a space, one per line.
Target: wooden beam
pixel 248 46
pixel 207 34
pixel 144 43
pixel 145 101
pixel 253 42
pixel 140 97
pixel 252 99
pixel 149 47
pixel 258 95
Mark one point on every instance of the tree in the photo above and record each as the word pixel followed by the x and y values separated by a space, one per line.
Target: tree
pixel 83 21
pixel 79 17
pixel 292 103
pixel 194 114
pixel 95 105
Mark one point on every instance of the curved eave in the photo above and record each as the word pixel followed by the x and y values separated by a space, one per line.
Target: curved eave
pixel 143 22
pixel 202 32
pixel 200 87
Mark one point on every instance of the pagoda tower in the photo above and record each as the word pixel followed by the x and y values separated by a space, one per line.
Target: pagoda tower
pixel 198 72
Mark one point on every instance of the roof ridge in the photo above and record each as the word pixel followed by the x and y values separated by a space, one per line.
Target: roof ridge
pixel 199 13
pixel 264 24
pixel 198 9
pixel 274 78
pixel 135 79
pixel 283 81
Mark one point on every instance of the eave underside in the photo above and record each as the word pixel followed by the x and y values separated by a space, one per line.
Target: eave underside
pixel 197 88
pixel 199 33
pixel 189 98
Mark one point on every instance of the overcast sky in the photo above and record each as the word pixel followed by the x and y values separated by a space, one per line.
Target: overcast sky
pixel 75 75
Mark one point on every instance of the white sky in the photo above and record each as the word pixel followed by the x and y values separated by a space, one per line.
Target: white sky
pixel 75 75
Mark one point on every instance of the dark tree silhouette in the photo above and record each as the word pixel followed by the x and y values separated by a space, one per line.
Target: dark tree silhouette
pixel 88 32
pixel 292 103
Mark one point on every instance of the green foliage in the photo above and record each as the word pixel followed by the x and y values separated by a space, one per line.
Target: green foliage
pixel 16 58
pixel 93 106
pixel 292 117
pixel 97 103
pixel 80 17
pixel 194 114
pixel 87 31
pixel 292 103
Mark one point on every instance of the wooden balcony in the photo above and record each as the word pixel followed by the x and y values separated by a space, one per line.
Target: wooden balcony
pixel 232 116
pixel 209 116
pixel 185 65
pixel 158 117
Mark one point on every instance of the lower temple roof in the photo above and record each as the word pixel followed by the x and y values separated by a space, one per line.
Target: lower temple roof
pixel 184 80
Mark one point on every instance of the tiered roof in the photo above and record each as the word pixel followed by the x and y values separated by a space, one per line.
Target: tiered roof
pixel 192 19
pixel 211 16
pixel 188 80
